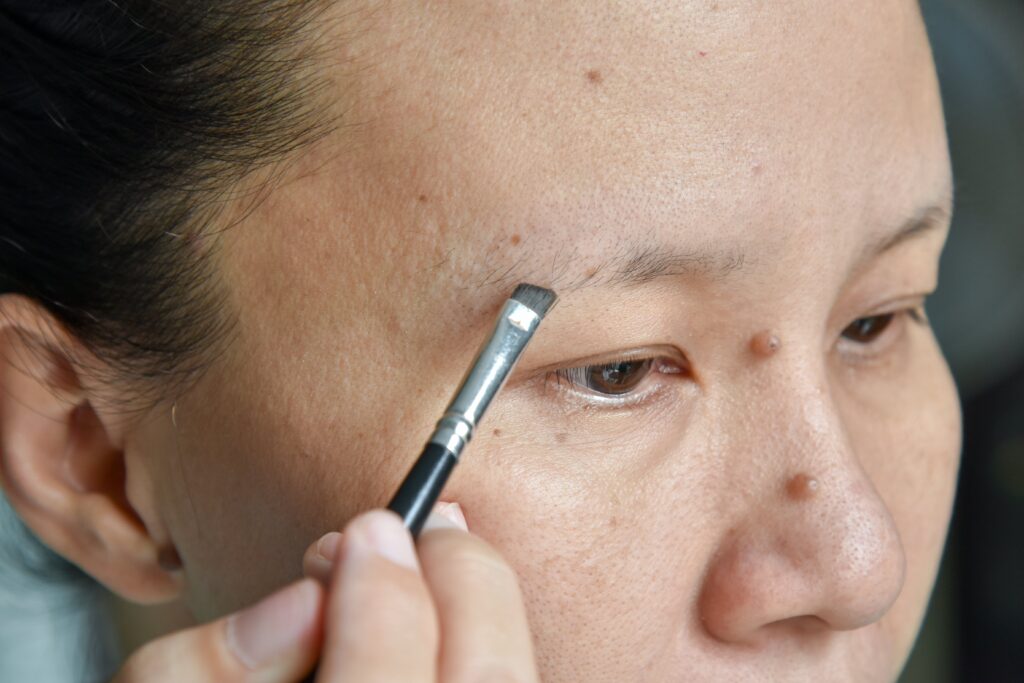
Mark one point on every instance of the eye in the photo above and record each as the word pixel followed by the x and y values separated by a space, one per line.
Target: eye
pixel 867 330
pixel 616 379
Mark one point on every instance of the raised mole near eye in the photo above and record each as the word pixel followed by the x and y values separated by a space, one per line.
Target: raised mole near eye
pixel 765 344
pixel 801 487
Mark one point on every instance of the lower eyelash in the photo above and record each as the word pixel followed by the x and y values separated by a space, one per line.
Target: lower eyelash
pixel 575 379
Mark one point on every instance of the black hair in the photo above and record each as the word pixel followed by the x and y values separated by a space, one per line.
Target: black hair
pixel 124 126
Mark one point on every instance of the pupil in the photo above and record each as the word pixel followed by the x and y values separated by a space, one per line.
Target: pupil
pixel 866 330
pixel 618 378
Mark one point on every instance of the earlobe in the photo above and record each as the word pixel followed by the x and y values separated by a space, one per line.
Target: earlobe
pixel 63 470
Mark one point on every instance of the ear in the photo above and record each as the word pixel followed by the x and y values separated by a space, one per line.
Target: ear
pixel 63 468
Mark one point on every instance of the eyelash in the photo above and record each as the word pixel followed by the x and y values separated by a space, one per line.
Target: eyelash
pixel 893 325
pixel 579 378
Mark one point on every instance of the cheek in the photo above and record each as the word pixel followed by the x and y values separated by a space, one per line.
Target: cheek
pixel 908 437
pixel 577 506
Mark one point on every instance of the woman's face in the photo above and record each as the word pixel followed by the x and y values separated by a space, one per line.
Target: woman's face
pixel 693 179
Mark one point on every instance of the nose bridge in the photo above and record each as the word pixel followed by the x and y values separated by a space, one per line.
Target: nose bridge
pixel 812 537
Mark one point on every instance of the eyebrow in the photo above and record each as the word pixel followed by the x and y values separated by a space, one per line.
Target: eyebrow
pixel 926 220
pixel 638 263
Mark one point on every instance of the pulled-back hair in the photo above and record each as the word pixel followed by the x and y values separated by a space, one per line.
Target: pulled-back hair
pixel 123 126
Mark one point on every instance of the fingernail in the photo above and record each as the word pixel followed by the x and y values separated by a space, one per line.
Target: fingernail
pixel 446 516
pixel 382 533
pixel 274 626
pixel 327 546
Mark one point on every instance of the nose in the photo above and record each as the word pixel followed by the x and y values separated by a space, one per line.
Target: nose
pixel 812 547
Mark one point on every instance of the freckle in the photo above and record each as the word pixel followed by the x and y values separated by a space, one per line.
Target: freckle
pixel 702 53
pixel 515 239
pixel 594 76
pixel 423 198
pixel 561 437
pixel 801 487
pixel 765 344
pixel 496 432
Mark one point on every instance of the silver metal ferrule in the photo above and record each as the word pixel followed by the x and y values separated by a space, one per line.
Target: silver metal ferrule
pixel 486 376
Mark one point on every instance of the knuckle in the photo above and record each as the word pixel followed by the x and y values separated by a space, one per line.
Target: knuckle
pixel 490 673
pixel 178 656
pixel 470 559
pixel 392 598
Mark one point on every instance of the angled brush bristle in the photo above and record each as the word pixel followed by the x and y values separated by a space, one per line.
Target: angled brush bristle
pixel 536 298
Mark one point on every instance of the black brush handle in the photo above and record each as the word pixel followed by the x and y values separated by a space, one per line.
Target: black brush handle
pixel 418 493
pixel 422 487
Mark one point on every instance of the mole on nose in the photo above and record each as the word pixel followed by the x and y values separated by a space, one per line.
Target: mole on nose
pixel 801 487
pixel 765 343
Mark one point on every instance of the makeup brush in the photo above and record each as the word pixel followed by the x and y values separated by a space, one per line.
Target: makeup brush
pixel 518 320
pixel 516 324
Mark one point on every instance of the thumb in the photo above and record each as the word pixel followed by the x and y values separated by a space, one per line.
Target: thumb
pixel 277 640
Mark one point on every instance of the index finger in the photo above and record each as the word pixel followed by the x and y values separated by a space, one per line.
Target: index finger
pixel 380 621
pixel 485 634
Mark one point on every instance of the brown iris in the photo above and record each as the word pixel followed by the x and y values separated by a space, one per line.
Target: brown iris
pixel 618 378
pixel 866 330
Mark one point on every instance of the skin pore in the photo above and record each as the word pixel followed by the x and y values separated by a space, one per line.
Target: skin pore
pixel 694 179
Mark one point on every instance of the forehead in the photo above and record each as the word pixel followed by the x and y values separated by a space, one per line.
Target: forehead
pixel 644 116
pixel 488 141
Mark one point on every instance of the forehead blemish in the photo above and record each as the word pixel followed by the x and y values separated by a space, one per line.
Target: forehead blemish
pixel 801 487
pixel 595 76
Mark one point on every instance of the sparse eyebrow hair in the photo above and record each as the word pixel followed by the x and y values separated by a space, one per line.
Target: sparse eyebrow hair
pixel 642 262
pixel 923 221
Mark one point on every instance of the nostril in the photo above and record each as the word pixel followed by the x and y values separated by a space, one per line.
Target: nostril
pixel 833 563
pixel 806 624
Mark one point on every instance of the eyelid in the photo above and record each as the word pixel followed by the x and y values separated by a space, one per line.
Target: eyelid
pixel 572 391
pixel 640 353
pixel 898 304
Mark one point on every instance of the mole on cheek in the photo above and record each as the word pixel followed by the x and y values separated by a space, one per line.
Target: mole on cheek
pixel 801 487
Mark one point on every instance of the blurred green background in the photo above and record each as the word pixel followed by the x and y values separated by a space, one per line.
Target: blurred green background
pixel 974 631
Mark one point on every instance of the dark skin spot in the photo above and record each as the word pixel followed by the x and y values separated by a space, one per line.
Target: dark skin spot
pixel 515 239
pixel 765 343
pixel 561 437
pixel 423 198
pixel 702 53
pixel 801 487
pixel 594 76
pixel 496 432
